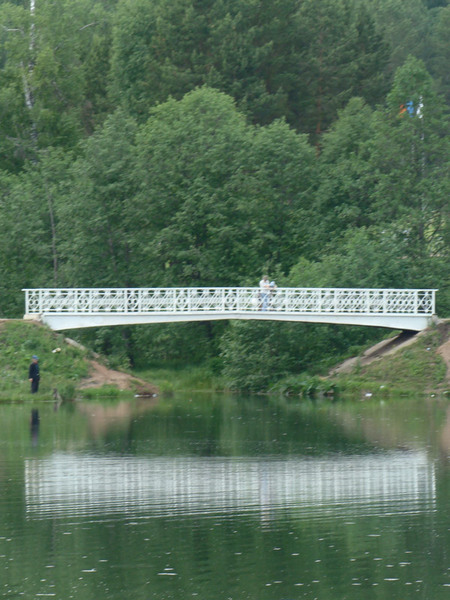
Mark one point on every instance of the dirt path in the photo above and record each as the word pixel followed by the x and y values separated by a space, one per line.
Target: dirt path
pixel 376 352
pixel 100 375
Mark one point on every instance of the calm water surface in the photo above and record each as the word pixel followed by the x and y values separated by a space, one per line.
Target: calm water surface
pixel 217 498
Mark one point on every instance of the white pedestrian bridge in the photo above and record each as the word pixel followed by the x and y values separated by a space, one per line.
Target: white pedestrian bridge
pixel 74 308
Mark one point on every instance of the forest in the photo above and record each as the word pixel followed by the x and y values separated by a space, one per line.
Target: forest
pixel 148 143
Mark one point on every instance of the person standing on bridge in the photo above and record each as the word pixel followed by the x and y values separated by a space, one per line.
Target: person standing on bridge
pixel 33 374
pixel 264 286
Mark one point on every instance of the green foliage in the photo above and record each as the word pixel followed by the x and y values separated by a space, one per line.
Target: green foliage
pixel 46 96
pixel 376 257
pixel 344 56
pixel 258 354
pixel 439 56
pixel 178 377
pixel 342 199
pixel 414 370
pixel 67 392
pixel 403 27
pixel 216 193
pixel 95 213
pixel 106 392
pixel 62 366
pixel 29 244
pixel 174 343
pixel 275 58
pixel 410 155
pixel 305 386
pixel 156 143
pixel 167 48
pixel 252 356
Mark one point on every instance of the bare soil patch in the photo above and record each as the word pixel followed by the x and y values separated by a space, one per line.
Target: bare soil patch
pixel 100 375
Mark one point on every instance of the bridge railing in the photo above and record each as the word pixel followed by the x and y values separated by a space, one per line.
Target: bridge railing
pixel 338 301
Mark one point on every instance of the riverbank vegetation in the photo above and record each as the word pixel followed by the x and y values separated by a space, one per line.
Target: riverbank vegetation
pixel 422 367
pixel 70 371
pixel 63 365
pixel 153 143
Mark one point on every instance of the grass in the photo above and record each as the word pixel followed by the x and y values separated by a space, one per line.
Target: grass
pixel 106 392
pixel 416 369
pixel 182 378
pixel 62 366
pixel 305 386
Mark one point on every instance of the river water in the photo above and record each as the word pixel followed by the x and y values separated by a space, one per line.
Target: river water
pixel 225 498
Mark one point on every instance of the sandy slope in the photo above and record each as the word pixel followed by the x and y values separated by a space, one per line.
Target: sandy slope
pixel 100 375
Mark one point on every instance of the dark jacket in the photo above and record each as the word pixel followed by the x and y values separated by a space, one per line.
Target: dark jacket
pixel 33 371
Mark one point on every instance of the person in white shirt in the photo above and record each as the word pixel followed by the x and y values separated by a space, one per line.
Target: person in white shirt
pixel 264 286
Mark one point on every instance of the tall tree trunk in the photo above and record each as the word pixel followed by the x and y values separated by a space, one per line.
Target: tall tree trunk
pixel 27 76
pixel 27 73
pixel 319 94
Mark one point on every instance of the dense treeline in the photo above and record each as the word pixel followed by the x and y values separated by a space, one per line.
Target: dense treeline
pixel 202 143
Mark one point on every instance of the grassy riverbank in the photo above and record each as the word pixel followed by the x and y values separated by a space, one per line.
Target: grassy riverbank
pixel 415 366
pixel 403 365
pixel 178 378
pixel 62 366
pixel 419 367
pixel 68 370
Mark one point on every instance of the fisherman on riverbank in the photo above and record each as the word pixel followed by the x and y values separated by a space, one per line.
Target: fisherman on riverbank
pixel 33 374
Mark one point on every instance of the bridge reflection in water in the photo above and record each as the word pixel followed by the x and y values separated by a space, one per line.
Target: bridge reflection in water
pixel 70 485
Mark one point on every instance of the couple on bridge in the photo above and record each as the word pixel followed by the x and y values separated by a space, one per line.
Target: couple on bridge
pixel 266 290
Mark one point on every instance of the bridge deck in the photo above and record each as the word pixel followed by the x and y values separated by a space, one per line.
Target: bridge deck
pixel 71 308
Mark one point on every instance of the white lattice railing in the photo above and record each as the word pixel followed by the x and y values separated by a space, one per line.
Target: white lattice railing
pixel 338 301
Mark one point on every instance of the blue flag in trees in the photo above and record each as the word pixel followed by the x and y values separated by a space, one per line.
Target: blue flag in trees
pixel 410 108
